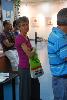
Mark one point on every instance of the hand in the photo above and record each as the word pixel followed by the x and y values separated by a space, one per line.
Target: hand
pixel 6 41
pixel 33 52
pixel 65 59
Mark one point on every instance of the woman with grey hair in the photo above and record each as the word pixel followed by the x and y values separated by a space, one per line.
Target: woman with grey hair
pixel 25 50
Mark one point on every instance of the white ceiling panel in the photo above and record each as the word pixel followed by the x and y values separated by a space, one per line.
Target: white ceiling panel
pixel 37 1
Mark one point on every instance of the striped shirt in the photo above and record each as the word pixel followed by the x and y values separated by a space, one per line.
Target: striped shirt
pixel 57 52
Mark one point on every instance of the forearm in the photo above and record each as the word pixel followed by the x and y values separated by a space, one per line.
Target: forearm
pixel 28 50
pixel 33 52
pixel 65 59
pixel 7 43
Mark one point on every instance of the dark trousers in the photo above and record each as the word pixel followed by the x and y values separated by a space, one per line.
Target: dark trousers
pixel 25 83
pixel 35 89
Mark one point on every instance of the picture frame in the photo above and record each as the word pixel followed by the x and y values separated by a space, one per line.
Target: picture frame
pixel 34 22
pixel 48 21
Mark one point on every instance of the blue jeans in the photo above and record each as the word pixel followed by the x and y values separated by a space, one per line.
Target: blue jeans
pixel 25 84
pixel 59 88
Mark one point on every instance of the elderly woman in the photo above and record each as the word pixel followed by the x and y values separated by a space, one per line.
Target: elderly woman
pixel 25 50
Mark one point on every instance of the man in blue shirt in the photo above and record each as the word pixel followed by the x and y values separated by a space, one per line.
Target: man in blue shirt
pixel 57 54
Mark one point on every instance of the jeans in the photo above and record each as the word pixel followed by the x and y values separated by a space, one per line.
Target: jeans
pixel 59 88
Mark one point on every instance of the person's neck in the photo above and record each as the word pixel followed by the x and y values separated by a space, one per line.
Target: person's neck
pixel 63 28
pixel 24 34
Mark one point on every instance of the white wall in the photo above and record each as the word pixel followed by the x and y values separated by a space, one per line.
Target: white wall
pixel 38 14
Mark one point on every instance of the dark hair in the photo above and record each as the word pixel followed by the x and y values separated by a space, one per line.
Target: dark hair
pixel 5 22
pixel 62 17
pixel 15 23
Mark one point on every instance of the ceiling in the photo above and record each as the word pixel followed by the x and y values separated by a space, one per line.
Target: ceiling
pixel 38 1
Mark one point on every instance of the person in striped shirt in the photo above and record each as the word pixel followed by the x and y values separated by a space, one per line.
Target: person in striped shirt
pixel 57 55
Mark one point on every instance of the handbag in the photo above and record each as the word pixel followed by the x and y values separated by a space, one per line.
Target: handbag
pixel 12 55
pixel 35 66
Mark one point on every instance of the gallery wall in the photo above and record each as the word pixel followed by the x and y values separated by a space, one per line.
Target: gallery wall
pixel 42 16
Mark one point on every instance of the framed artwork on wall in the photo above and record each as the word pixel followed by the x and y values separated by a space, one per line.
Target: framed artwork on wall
pixel 34 22
pixel 48 21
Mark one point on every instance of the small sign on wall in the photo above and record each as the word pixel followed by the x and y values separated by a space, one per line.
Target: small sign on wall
pixel 48 21
pixel 34 22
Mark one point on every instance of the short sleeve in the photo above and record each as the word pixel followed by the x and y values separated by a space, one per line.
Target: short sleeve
pixel 19 40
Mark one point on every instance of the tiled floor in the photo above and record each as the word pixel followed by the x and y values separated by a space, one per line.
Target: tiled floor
pixel 45 80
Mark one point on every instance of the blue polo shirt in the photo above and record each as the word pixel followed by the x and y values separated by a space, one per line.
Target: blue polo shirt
pixel 57 52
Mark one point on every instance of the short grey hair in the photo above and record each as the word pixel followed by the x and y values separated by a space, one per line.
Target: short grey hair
pixel 22 20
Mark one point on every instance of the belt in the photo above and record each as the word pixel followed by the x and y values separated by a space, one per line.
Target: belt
pixel 64 76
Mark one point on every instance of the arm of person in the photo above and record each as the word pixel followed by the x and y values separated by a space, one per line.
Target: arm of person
pixel 7 43
pixel 33 52
pixel 65 59
pixel 63 53
pixel 27 50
